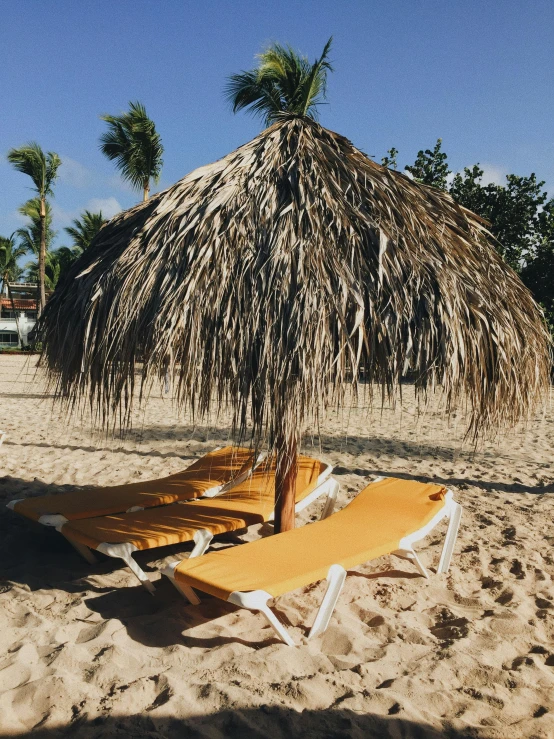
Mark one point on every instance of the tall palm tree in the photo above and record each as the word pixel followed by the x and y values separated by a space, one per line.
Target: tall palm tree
pixel 84 230
pixel 10 271
pixel 42 169
pixel 283 84
pixel 136 147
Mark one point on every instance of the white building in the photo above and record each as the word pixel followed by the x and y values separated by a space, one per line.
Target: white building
pixel 18 314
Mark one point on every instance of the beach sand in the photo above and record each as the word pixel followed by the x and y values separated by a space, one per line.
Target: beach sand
pixel 86 652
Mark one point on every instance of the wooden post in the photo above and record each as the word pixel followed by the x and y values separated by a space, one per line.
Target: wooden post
pixel 285 487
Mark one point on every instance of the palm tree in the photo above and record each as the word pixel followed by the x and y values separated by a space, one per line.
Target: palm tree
pixel 42 169
pixel 283 84
pixel 10 252
pixel 39 230
pixel 10 271
pixel 136 147
pixel 56 262
pixel 84 230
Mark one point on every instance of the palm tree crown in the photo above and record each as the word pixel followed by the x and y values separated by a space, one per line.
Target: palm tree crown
pixel 134 144
pixel 29 236
pixel 10 252
pixel 84 230
pixel 284 83
pixel 40 167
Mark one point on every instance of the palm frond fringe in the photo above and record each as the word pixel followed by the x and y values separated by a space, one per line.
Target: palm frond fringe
pixel 285 273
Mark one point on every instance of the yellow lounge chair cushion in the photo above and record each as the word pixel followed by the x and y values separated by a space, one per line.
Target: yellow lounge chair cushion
pixel 250 502
pixel 371 525
pixel 213 469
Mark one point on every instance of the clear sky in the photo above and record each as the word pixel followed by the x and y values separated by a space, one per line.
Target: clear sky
pixel 478 73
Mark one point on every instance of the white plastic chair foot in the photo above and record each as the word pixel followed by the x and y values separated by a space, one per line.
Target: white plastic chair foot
pixel 335 580
pixel 256 600
pixel 451 536
pixel 125 551
pixel 410 555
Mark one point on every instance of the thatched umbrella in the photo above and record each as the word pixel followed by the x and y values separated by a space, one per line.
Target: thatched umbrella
pixel 280 275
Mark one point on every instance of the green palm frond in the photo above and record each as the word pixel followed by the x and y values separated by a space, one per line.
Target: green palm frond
pixel 283 84
pixel 134 144
pixel 40 167
pixel 84 229
pixel 10 253
pixel 29 236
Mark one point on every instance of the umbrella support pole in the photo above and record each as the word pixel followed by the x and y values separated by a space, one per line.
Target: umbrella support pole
pixel 285 491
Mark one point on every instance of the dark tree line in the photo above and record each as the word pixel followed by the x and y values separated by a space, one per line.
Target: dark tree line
pixel 519 211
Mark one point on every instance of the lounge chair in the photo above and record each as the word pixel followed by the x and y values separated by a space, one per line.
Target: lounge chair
pixel 387 517
pixel 205 477
pixel 249 502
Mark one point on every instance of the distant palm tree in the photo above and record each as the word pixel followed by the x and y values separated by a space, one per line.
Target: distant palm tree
pixel 134 144
pixel 42 169
pixel 10 252
pixel 31 236
pixel 55 263
pixel 10 271
pixel 284 83
pixel 84 230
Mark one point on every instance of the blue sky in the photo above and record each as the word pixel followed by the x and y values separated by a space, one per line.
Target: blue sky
pixel 478 74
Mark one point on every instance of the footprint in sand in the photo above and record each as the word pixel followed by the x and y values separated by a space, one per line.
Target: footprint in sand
pixel 517 569
pixel 91 632
pixel 505 597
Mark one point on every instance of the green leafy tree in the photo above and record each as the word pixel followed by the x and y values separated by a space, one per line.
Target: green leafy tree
pixel 513 210
pixel 84 229
pixel 283 83
pixel 431 167
pixel 538 273
pixel 136 147
pixel 10 253
pixel 42 169
pixel 58 261
pixel 390 159
pixel 10 271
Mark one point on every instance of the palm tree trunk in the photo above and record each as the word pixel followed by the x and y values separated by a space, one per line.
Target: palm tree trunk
pixel 285 487
pixel 42 259
pixel 146 190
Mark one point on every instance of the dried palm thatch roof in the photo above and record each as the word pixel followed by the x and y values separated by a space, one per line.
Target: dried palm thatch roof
pixel 277 276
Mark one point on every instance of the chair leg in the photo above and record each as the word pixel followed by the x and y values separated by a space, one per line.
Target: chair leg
pixel 451 536
pixel 412 557
pixel 277 625
pixel 256 600
pixel 84 551
pixel 202 540
pixel 330 500
pixel 125 551
pixel 335 580
pixel 186 591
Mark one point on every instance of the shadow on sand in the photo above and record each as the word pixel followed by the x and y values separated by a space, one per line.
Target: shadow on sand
pixel 265 722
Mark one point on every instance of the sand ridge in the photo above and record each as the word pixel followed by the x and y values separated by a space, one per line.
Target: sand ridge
pixel 86 650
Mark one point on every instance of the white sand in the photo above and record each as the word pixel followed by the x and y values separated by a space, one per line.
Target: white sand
pixel 86 652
